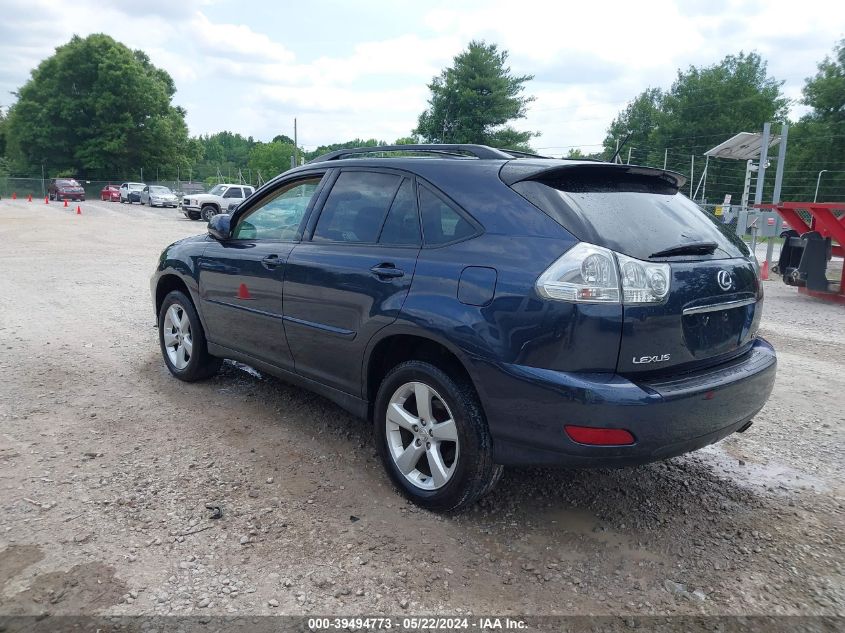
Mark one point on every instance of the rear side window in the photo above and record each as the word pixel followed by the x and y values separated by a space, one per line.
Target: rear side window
pixel 631 214
pixel 356 207
pixel 441 223
pixel 402 226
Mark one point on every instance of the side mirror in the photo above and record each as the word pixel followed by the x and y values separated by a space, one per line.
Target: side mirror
pixel 219 227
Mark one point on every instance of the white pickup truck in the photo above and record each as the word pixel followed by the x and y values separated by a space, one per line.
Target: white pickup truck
pixel 218 200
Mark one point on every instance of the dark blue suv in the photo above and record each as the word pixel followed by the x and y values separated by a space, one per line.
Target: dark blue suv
pixel 482 307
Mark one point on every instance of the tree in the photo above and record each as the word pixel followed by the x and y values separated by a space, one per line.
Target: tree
pixel 96 108
pixel 358 142
pixel 706 106
pixel 282 138
pixel 473 100
pixel 270 159
pixel 703 107
pixel 223 153
pixel 639 119
pixel 817 142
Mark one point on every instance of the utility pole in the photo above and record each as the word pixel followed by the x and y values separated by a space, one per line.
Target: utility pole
pixel 761 165
pixel 784 132
pixel 665 157
pixel 691 174
pixel 815 197
pixel 295 144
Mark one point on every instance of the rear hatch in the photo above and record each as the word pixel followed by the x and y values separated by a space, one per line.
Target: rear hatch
pixel 712 309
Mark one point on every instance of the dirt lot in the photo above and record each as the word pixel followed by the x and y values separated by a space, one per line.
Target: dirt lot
pixel 107 464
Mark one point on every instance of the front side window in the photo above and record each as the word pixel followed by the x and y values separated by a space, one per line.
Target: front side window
pixel 441 223
pixel 233 192
pixel 279 215
pixel 356 207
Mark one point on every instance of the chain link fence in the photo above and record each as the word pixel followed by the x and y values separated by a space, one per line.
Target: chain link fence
pixel 37 188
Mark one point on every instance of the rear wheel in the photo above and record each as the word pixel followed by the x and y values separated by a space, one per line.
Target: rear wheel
pixel 433 438
pixel 182 340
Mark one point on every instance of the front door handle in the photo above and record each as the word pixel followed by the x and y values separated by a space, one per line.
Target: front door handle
pixel 271 261
pixel 387 271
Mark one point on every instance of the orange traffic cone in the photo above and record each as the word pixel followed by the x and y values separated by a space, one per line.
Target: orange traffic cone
pixel 764 271
pixel 29 198
pixel 14 195
pixel 46 200
pixel 65 202
pixel 78 210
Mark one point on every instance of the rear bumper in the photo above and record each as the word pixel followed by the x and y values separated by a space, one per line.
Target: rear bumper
pixel 527 409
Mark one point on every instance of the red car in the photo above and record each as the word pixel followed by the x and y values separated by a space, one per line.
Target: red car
pixel 110 193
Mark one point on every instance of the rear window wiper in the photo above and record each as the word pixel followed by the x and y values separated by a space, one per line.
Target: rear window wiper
pixel 690 248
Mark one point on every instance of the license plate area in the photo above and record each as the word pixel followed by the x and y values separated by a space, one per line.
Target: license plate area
pixel 717 331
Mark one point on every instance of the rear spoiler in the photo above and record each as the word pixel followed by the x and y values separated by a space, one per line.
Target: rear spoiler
pixel 517 171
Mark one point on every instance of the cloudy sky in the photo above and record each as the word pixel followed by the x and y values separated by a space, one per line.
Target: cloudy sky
pixel 350 69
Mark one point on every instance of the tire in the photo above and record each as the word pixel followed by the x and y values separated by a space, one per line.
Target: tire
pixel 208 212
pixel 198 363
pixel 194 216
pixel 468 471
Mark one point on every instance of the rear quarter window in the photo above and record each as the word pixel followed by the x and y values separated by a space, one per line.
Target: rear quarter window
pixel 441 223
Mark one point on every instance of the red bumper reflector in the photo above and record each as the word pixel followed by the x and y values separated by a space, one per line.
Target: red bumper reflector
pixel 599 437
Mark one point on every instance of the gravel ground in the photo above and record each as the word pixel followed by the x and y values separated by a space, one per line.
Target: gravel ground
pixel 111 470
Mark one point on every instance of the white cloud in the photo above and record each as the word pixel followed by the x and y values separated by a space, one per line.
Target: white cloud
pixel 253 70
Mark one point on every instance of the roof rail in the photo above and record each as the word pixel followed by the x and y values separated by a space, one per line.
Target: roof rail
pixel 455 150
pixel 519 154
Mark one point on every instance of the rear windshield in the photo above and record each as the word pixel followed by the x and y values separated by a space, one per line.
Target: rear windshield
pixel 67 183
pixel 631 214
pixel 159 190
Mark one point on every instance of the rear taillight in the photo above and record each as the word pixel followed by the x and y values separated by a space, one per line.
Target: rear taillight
pixel 592 274
pixel 584 273
pixel 643 282
pixel 599 437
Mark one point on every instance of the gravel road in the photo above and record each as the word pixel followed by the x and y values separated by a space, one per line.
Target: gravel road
pixel 111 472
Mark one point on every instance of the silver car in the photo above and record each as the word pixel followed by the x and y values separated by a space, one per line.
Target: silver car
pixel 158 196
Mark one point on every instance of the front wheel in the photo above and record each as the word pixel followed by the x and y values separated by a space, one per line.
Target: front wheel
pixel 182 340
pixel 432 437
pixel 208 212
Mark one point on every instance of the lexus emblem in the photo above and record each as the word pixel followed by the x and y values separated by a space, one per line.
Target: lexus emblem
pixel 725 280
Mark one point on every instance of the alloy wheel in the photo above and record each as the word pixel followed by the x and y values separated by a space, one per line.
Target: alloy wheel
pixel 422 437
pixel 178 342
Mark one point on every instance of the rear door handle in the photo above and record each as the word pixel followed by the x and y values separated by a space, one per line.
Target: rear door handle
pixel 271 261
pixel 387 271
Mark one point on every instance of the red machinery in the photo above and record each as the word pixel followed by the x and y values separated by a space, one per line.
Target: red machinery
pixel 817 233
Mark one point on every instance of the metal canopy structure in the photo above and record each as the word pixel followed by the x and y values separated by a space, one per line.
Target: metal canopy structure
pixel 743 146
